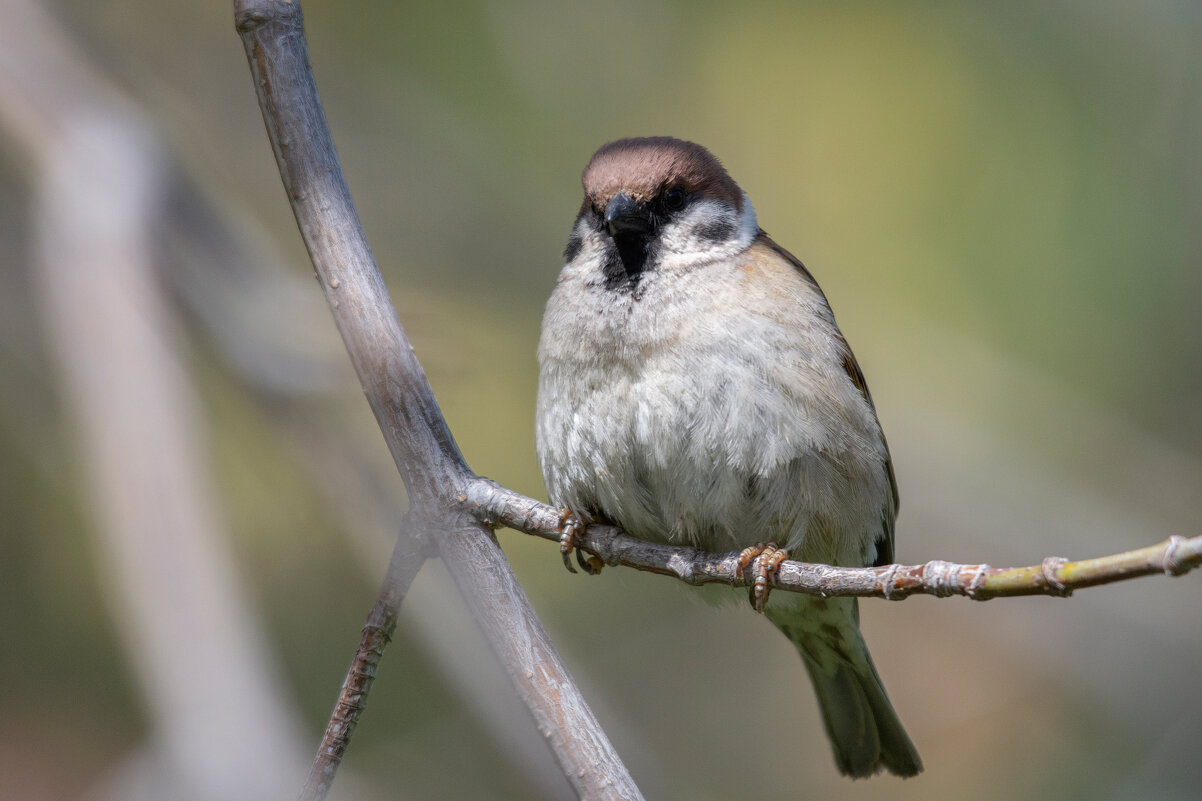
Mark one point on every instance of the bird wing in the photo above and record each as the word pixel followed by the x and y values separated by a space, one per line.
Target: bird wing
pixel 884 549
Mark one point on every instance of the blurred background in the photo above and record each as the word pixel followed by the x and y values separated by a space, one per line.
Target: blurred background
pixel 1002 201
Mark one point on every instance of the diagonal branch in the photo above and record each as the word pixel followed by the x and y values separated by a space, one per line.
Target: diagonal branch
pixel 425 453
pixel 1055 576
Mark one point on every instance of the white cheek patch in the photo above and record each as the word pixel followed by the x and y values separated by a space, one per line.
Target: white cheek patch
pixel 749 226
pixel 708 231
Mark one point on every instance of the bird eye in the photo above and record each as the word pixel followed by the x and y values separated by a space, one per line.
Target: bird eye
pixel 674 198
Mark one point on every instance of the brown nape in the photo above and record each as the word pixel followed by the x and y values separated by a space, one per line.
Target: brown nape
pixel 644 166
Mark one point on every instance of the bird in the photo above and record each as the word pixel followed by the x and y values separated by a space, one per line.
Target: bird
pixel 694 389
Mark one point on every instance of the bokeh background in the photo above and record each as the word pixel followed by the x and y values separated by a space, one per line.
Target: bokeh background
pixel 1003 202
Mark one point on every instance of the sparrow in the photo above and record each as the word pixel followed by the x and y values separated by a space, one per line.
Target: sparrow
pixel 694 389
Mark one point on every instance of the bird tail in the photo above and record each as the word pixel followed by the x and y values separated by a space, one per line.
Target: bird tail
pixel 864 731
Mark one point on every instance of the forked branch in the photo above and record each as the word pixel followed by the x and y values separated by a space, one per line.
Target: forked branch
pixel 412 424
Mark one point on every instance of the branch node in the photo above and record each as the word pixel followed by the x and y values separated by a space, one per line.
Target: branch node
pixel 382 631
pixel 976 587
pixel 1174 564
pixel 889 583
pixel 1048 568
pixel 682 567
pixel 247 21
pixel 256 13
pixel 942 577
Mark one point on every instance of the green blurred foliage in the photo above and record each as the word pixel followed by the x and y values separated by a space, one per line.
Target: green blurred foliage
pixel 1003 202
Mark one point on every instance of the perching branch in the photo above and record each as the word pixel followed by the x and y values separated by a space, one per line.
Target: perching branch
pixel 425 453
pixel 1054 576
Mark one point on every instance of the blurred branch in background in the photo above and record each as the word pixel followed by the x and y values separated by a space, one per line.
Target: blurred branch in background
pixel 223 725
pixel 60 112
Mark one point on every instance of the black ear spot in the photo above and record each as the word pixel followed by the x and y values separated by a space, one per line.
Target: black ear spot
pixel 576 238
pixel 719 229
pixel 572 249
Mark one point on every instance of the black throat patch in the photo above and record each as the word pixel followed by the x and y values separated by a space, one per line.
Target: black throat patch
pixel 626 262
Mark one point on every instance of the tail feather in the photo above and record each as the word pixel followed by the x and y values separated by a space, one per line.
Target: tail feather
pixel 864 731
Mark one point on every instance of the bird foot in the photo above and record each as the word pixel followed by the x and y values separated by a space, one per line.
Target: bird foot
pixel 571 532
pixel 767 558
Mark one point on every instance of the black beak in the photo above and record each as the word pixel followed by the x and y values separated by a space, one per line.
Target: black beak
pixel 624 217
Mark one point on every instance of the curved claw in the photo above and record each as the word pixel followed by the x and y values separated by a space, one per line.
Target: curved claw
pixel 588 562
pixel 571 528
pixel 767 558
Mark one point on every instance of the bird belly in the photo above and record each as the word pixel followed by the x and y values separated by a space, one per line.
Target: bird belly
pixel 731 452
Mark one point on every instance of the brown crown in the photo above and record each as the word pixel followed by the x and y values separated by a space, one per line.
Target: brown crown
pixel 642 167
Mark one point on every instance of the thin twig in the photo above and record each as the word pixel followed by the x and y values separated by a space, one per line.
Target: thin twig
pixel 425 453
pixel 408 556
pixel 1054 576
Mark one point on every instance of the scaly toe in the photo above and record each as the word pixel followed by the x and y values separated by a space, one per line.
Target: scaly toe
pixel 766 564
pixel 571 530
